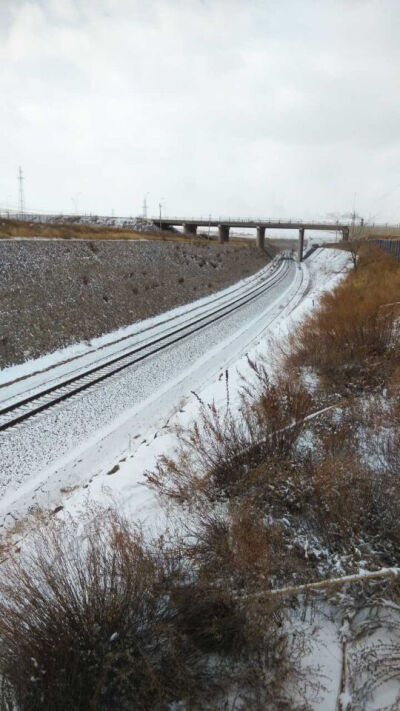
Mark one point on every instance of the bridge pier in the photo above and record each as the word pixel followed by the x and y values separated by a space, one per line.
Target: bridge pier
pixel 189 228
pixel 345 233
pixel 223 233
pixel 260 237
pixel 301 243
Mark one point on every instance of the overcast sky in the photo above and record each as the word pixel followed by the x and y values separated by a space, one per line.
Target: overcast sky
pixel 229 107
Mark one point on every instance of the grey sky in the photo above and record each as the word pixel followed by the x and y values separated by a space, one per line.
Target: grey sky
pixel 230 107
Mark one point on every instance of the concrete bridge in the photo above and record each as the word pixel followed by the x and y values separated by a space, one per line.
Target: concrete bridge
pixel 190 226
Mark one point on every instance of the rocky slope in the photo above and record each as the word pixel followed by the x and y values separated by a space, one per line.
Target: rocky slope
pixel 56 292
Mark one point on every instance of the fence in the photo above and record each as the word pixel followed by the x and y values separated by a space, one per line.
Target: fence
pixel 392 246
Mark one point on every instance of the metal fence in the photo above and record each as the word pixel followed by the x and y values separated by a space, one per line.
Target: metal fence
pixel 392 246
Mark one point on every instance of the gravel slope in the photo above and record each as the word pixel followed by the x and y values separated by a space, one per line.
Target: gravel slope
pixel 53 293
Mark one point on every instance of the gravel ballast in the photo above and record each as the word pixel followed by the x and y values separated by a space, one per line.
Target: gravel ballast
pixel 54 293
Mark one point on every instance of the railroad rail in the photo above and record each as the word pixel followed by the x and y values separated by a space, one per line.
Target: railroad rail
pixel 146 343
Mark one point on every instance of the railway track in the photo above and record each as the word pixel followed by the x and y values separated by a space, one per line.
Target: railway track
pixel 225 296
pixel 146 343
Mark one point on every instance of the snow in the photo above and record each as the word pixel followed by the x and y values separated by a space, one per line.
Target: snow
pixel 345 700
pixel 128 420
pixel 321 662
pixel 142 411
pixel 39 372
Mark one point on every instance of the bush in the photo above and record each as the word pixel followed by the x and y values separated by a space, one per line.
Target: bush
pixel 217 454
pixel 92 626
pixel 105 621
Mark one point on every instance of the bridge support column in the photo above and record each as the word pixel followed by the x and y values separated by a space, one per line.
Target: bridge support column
pixel 301 243
pixel 189 228
pixel 223 233
pixel 260 237
pixel 345 233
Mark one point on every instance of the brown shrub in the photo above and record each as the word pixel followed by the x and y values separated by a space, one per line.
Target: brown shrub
pixel 232 548
pixel 217 454
pixel 104 620
pixel 88 624
pixel 352 337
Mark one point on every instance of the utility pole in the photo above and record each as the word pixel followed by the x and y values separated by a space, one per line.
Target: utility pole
pixel 74 199
pixel 160 206
pixel 354 214
pixel 145 206
pixel 21 203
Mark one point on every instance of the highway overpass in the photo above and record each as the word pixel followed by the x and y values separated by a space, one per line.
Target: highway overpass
pixel 190 226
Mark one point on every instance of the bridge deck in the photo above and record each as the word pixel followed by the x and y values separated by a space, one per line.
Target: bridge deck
pixel 268 224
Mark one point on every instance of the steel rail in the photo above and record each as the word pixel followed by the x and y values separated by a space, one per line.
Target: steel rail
pixel 225 295
pixel 108 370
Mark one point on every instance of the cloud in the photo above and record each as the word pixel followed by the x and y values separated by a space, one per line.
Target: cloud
pixel 221 106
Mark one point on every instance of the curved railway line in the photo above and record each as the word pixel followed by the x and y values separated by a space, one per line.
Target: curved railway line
pixel 147 342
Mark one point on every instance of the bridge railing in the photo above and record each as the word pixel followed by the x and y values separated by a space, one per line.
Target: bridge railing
pixel 244 220
pixel 13 213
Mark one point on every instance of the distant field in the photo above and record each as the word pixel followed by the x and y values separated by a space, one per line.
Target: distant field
pixel 23 229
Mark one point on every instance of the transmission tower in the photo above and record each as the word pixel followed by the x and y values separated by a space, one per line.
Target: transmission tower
pixel 145 206
pixel 21 202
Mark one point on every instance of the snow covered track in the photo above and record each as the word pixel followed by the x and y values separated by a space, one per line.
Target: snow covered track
pixel 118 426
pixel 146 343
pixel 79 439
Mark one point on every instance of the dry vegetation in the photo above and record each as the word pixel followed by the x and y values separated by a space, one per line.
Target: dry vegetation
pixel 271 498
pixel 277 498
pixel 23 228
pixel 108 621
pixel 351 342
pixel 11 228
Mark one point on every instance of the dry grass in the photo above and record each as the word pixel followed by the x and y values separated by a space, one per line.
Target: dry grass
pixel 23 228
pixel 261 506
pixel 107 620
pixel 219 454
pixel 83 624
pixel 263 510
pixel 352 340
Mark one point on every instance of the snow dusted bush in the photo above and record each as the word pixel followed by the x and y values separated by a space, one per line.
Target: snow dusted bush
pixel 90 624
pixel 104 621
pixel 216 454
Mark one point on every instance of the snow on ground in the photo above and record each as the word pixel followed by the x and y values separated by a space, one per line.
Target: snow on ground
pixel 125 421
pixel 101 422
pixel 352 659
pixel 109 458
pixel 34 375
pixel 321 661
